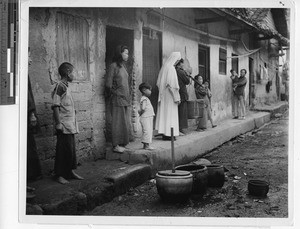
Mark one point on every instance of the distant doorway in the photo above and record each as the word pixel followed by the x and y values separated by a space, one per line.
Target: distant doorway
pixel 203 63
pixel 152 60
pixel 251 83
pixel 235 63
pixel 117 36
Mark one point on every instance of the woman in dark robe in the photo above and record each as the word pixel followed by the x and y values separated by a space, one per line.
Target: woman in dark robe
pixel 117 89
pixel 183 81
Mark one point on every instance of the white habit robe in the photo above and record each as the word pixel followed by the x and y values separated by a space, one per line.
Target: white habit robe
pixel 168 98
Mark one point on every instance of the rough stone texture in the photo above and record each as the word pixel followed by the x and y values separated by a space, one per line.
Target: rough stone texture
pixel 87 95
pixel 103 181
pixel 130 177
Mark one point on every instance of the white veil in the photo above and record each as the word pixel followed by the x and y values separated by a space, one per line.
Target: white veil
pixel 167 75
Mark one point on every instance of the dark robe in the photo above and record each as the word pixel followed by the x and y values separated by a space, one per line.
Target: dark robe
pixel 117 88
pixel 183 80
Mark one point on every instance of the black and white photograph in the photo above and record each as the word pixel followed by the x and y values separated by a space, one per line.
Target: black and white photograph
pixel 150 114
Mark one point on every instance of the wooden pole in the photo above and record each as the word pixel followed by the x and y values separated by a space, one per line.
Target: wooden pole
pixel 172 150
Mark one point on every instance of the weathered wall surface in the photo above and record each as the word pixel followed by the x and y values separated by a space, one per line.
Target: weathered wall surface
pixel 265 57
pixel 88 94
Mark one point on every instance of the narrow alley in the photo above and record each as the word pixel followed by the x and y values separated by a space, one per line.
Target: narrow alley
pixel 259 154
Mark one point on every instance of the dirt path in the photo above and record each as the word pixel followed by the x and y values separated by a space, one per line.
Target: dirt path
pixel 261 154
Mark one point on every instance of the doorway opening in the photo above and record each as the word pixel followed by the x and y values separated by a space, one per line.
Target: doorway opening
pixel 203 63
pixel 152 61
pixel 251 83
pixel 118 36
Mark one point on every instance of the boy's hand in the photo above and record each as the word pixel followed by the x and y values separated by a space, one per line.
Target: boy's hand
pixel 59 128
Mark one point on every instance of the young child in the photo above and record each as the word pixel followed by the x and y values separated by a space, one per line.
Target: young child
pixel 209 109
pixel 65 126
pixel 146 113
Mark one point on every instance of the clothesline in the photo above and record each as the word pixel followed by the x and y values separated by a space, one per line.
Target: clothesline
pixel 246 54
pixel 191 27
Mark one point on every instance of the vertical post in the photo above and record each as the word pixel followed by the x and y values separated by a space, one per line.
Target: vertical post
pixel 172 150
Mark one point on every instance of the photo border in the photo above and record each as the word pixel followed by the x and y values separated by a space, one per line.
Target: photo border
pixel 167 221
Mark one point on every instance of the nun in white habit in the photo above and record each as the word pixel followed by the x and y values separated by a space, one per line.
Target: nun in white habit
pixel 168 98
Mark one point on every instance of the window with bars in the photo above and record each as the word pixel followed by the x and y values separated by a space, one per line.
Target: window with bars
pixel 222 61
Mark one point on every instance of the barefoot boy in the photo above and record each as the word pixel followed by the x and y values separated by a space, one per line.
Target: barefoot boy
pixel 146 113
pixel 65 126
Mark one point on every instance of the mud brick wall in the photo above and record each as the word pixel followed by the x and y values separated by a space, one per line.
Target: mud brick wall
pixel 87 89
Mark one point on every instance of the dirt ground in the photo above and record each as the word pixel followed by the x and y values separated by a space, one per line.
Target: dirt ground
pixel 260 154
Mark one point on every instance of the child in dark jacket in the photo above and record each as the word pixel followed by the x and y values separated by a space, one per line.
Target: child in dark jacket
pixel 202 92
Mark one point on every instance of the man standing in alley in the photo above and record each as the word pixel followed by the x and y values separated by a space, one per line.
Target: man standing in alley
pixel 239 86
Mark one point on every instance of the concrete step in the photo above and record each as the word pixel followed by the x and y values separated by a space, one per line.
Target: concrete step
pixel 192 145
pixel 103 181
pixel 280 108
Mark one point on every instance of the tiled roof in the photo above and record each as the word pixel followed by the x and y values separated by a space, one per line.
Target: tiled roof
pixel 255 17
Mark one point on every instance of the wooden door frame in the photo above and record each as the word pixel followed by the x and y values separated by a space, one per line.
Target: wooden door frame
pixel 206 49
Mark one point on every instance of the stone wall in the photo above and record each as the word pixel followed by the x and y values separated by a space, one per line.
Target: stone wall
pixel 87 94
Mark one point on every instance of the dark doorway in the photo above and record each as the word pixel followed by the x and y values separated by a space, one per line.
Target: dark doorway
pixel 251 82
pixel 152 58
pixel 203 66
pixel 117 36
pixel 235 63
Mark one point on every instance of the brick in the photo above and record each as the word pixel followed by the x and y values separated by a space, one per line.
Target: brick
pixel 83 125
pixel 85 135
pixel 84 106
pixel 83 145
pixel 83 116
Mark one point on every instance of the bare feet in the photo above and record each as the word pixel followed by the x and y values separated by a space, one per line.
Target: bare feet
pixel 62 180
pixel 148 147
pixel 118 149
pixel 76 176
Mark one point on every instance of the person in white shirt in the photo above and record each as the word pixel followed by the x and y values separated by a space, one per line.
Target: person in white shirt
pixel 146 113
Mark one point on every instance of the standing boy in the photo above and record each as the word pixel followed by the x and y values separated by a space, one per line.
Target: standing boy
pixel 65 126
pixel 146 113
